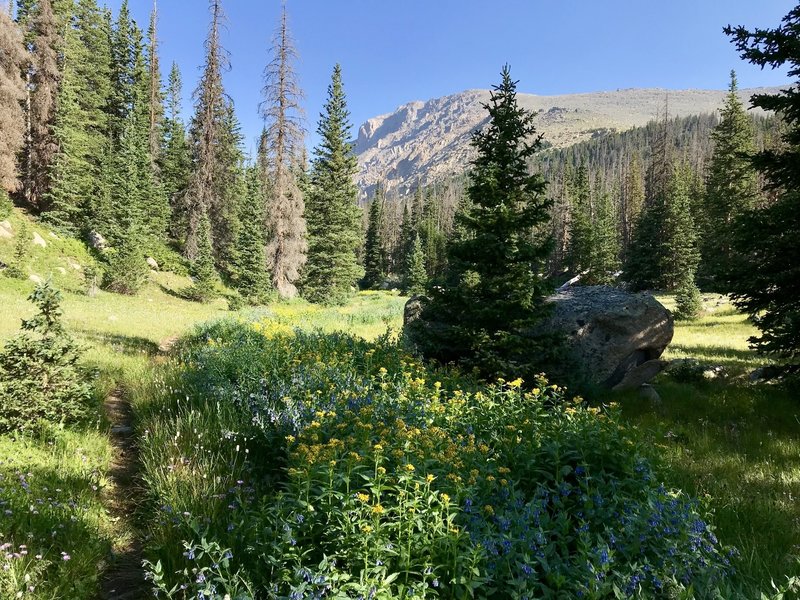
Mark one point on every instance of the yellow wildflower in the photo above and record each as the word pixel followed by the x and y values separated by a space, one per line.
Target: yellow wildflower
pixel 377 509
pixel 366 528
pixel 516 383
pixel 429 478
pixel 381 471
pixel 363 497
pixel 290 438
pixel 446 498
pixel 488 509
pixel 410 468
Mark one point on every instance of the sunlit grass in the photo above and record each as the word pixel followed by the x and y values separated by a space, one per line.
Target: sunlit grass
pixel 736 442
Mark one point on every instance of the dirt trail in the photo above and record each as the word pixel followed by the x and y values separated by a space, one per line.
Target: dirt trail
pixel 124 579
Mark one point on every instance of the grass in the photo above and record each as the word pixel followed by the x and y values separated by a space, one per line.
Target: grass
pixel 732 441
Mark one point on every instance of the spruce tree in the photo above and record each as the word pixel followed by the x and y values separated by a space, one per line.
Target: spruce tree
pixel 44 77
pixel 764 281
pixel 12 93
pixel 202 270
pixel 415 276
pixel 732 188
pixel 374 260
pixel 78 196
pixel 252 279
pixel 631 202
pixel 206 131
pixel 332 213
pixel 175 161
pixel 280 158
pixel 664 246
pixel 155 100
pixel 605 239
pixel 580 223
pixel 494 292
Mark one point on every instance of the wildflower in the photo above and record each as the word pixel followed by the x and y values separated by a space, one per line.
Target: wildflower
pixel 377 509
pixel 488 509
pixel 410 468
pixel 289 438
pixel 429 478
pixel 446 498
pixel 381 471
pixel 516 383
pixel 363 497
pixel 378 447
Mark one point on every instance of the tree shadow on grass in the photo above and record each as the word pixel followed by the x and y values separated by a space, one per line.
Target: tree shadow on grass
pixel 128 344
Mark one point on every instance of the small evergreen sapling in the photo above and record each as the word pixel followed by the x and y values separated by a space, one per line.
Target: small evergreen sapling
pixel 39 377
pixel 21 250
pixel 688 302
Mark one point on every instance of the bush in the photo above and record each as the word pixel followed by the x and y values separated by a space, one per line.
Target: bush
pixel 127 271
pixel 336 467
pixel 38 374
pixel 16 269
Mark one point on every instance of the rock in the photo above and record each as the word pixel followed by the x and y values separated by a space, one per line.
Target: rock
pixel 62 270
pixel 53 235
pixel 39 240
pixel 6 231
pixel 35 278
pixel 152 263
pixel 612 337
pixel 609 332
pixel 639 376
pixel 74 264
pixel 648 392
pixel 97 241
pixel 413 309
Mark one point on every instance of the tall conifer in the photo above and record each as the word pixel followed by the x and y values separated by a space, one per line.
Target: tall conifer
pixel 764 281
pixel 12 93
pixel 44 77
pixel 732 188
pixel 495 293
pixel 332 213
pixel 374 259
pixel 280 158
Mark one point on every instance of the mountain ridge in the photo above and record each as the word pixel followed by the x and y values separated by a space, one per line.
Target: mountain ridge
pixel 423 141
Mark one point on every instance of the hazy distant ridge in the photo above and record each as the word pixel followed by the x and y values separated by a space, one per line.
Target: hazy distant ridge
pixel 424 141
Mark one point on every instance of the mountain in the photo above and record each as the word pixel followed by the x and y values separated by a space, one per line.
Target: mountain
pixel 426 141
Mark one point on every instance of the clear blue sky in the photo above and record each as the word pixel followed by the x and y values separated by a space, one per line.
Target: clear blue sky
pixel 393 52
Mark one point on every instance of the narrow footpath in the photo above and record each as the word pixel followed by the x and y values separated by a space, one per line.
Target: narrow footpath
pixel 124 579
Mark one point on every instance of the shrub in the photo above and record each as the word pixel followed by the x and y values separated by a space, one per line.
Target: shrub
pixel 39 378
pixel 127 271
pixel 21 251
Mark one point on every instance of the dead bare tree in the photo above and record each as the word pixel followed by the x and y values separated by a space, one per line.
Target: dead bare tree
pixel 12 94
pixel 280 161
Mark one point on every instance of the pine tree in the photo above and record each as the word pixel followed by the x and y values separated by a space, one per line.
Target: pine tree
pixel 631 202
pixel 374 259
pixel 44 77
pixel 764 282
pixel 202 267
pixel 580 223
pixel 175 161
pixel 155 101
pixel 732 188
pixel 494 292
pixel 12 93
pixel 280 155
pixel 252 280
pixel 332 213
pixel 78 196
pixel 688 302
pixel 126 271
pixel 206 130
pixel 605 239
pixel 415 276
pixel 664 247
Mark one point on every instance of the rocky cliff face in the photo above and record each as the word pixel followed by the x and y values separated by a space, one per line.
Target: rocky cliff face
pixel 425 141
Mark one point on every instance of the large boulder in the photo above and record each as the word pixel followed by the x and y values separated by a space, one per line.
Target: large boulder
pixel 97 241
pixel 613 337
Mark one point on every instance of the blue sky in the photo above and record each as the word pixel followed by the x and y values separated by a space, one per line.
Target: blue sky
pixel 393 52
